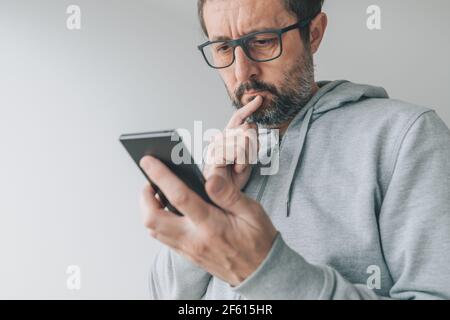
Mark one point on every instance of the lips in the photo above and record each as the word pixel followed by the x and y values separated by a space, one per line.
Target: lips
pixel 250 96
pixel 254 92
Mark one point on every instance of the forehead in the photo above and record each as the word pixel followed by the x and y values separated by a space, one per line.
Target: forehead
pixel 234 18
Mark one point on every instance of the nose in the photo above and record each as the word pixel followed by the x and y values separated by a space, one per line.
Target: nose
pixel 244 68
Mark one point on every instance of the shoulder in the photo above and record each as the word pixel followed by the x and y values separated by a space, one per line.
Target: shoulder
pixel 384 109
pixel 378 116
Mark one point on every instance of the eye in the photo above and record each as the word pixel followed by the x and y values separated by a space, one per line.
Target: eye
pixel 263 43
pixel 224 48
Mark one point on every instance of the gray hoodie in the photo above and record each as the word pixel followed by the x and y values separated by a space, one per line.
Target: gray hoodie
pixel 361 201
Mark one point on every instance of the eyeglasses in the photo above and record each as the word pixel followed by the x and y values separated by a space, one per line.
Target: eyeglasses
pixel 262 46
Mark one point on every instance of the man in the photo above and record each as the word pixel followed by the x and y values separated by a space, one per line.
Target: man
pixel 360 205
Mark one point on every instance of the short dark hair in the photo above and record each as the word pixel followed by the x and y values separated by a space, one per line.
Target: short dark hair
pixel 300 8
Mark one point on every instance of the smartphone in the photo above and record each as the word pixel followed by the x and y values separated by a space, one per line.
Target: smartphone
pixel 161 144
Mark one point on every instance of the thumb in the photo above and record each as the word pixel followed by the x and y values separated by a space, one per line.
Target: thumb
pixel 225 194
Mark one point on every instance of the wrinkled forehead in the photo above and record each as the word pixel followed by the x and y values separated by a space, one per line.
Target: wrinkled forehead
pixel 230 19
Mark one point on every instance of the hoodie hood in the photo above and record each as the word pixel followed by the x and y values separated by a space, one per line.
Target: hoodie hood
pixel 330 96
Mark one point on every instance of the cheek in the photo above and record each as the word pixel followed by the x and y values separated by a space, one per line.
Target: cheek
pixel 273 72
pixel 229 79
pixel 293 48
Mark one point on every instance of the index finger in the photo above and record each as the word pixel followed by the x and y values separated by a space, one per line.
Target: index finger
pixel 243 113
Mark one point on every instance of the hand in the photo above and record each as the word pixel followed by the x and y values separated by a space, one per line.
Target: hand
pixel 230 243
pixel 236 146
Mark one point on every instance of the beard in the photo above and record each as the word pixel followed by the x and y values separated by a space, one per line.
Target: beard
pixel 287 100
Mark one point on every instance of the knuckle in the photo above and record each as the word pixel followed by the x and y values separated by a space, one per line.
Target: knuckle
pixel 153 234
pixel 246 126
pixel 179 198
pixel 240 130
pixel 147 188
pixel 217 137
pixel 143 200
pixel 150 221
pixel 199 249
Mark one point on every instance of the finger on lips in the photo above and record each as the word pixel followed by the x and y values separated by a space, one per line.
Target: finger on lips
pixel 241 115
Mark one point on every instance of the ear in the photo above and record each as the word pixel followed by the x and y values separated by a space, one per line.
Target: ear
pixel 317 30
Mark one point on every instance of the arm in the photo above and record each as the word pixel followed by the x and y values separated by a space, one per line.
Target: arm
pixel 414 224
pixel 415 217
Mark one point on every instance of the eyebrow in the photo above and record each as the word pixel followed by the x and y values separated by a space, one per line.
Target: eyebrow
pixel 226 38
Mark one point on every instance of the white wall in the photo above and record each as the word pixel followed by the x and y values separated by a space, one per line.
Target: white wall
pixel 69 193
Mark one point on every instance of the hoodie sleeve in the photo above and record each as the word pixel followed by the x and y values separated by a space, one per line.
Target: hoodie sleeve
pixel 415 216
pixel 173 277
pixel 414 224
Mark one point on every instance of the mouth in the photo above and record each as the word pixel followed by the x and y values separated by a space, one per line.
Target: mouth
pixel 250 95
pixel 254 93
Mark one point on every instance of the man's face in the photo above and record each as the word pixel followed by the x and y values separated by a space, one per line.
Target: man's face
pixel 286 83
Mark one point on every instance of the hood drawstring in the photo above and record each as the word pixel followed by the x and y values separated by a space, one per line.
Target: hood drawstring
pixel 296 158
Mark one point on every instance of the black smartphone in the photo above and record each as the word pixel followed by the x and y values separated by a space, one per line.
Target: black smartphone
pixel 168 147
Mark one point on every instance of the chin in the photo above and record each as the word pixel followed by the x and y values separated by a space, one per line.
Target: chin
pixel 263 112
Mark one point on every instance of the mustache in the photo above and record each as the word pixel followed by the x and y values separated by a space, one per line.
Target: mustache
pixel 254 85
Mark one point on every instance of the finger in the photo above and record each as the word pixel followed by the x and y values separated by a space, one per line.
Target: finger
pixel 148 199
pixel 252 134
pixel 242 150
pixel 178 194
pixel 156 218
pixel 214 147
pixel 165 223
pixel 168 241
pixel 213 161
pixel 234 148
pixel 240 168
pixel 226 195
pixel 246 138
pixel 243 113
